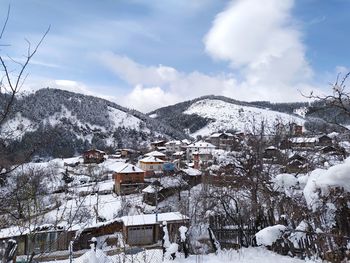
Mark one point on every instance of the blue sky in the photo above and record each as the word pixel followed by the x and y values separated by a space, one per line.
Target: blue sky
pixel 146 54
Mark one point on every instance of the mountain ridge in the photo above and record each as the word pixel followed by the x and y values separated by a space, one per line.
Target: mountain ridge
pixel 78 122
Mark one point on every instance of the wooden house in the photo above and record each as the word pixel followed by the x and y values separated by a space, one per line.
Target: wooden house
pixel 94 156
pixel 138 230
pixel 324 140
pixel 191 176
pixel 128 179
pixel 156 144
pixel 303 142
pixel 127 153
pixel 297 164
pixel 163 188
pixel 272 153
pixel 297 129
pixel 141 230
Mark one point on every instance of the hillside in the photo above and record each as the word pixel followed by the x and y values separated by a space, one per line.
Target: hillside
pixel 58 123
pixel 208 114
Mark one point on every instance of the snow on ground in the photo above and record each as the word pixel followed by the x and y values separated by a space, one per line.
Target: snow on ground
pixel 244 255
pixel 16 127
pixel 122 119
pixel 231 116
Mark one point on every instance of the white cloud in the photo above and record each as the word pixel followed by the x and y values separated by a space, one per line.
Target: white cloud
pixel 262 44
pixel 262 41
pixel 147 99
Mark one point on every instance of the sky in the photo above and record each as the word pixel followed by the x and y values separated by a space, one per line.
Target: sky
pixel 146 54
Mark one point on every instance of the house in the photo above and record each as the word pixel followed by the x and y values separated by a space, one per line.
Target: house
pixel 173 146
pixel 191 176
pixel 94 156
pixel 272 153
pixel 200 145
pixel 333 150
pixel 151 165
pixel 163 188
pixel 128 179
pixel 127 153
pixel 303 142
pixel 140 230
pixel 156 144
pixel 202 158
pixel 291 129
pixel 178 155
pixel 297 130
pixel 156 154
pixel 224 140
pixel 297 164
pixel 324 140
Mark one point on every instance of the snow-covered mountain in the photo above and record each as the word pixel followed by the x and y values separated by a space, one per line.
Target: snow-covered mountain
pixel 212 113
pixel 61 123
pixel 228 116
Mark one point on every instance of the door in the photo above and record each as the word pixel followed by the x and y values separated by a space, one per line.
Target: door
pixel 141 235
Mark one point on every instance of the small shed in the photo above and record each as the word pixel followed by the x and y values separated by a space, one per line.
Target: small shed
pixel 146 229
pixel 94 156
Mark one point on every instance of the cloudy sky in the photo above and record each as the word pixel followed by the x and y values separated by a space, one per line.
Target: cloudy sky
pixel 145 54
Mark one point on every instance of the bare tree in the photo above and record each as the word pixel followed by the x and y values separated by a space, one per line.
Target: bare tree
pixel 13 74
pixel 338 99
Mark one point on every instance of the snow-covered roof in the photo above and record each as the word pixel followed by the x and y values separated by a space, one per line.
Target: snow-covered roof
pixel 156 142
pixel 202 151
pixel 155 153
pixel 271 148
pixel 151 189
pixel 333 135
pixel 95 150
pixel 201 144
pixel 178 153
pixel 303 140
pixel 192 172
pixel 129 168
pixel 218 134
pixel 150 219
pixel 114 165
pixel 151 159
pixel 173 142
pixel 185 141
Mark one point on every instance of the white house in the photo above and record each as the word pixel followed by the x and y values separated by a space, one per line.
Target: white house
pixel 173 146
pixel 200 146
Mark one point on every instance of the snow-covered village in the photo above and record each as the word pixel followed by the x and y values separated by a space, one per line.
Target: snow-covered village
pixel 174 131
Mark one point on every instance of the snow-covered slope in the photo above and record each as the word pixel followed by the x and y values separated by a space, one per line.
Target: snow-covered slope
pixel 61 123
pixel 229 116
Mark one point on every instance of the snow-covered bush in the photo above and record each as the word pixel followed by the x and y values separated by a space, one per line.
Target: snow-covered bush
pixel 269 235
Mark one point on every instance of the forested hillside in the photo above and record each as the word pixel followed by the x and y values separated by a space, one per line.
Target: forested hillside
pixel 58 123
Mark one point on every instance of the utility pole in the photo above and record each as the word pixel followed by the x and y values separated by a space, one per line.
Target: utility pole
pixel 156 184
